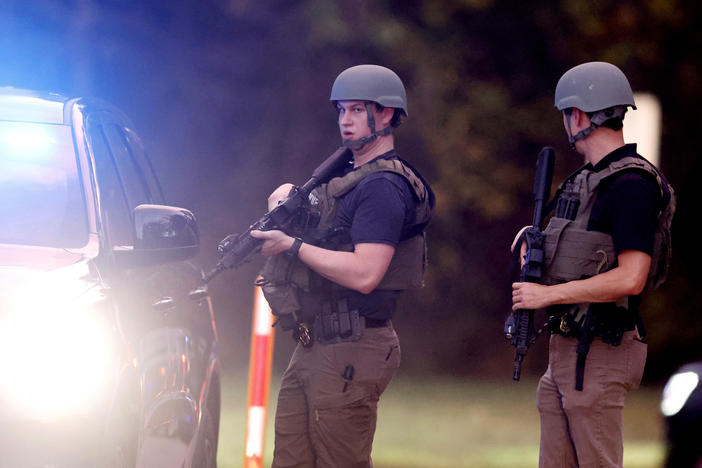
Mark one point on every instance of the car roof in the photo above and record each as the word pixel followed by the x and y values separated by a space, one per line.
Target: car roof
pixel 21 105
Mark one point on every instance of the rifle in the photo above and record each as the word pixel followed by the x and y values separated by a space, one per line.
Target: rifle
pixel 519 327
pixel 236 249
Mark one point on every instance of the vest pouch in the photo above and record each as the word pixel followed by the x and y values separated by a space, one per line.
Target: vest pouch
pixel 573 253
pixel 281 269
pixel 283 277
pixel 282 298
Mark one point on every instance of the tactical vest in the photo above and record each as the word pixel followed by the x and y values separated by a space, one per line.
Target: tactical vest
pixel 572 252
pixel 285 280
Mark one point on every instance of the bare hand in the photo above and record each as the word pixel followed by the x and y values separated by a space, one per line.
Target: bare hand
pixel 274 243
pixel 516 238
pixel 522 245
pixel 278 195
pixel 529 296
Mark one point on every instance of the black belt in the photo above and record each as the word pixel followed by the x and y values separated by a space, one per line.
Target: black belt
pixel 605 321
pixel 311 305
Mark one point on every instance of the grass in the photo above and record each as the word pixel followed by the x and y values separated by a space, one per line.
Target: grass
pixel 454 423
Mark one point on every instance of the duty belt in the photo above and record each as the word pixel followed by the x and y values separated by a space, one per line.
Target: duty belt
pixel 334 318
pixel 606 321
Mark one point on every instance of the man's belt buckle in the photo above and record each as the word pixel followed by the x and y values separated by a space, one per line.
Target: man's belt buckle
pixel 564 325
pixel 303 335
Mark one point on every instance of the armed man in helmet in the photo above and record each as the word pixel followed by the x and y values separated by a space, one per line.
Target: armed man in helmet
pixel 607 240
pixel 337 286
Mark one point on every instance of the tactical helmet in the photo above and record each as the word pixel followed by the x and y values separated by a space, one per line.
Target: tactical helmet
pixel 370 83
pixel 593 86
pixel 599 89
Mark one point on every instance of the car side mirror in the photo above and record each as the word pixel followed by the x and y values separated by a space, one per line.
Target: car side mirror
pixel 162 234
pixel 164 227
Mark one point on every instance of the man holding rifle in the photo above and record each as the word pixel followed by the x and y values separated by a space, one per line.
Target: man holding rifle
pixel 607 240
pixel 337 283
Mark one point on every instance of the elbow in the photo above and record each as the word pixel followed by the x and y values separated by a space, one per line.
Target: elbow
pixel 638 289
pixel 367 285
pixel 636 285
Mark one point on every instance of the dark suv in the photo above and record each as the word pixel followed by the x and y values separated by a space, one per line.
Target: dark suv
pixel 107 356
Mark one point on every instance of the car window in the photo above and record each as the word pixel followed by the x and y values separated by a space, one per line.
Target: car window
pixel 133 179
pixel 41 196
pixel 136 148
pixel 117 215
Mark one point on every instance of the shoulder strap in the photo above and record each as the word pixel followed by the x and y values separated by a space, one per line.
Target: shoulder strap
pixel 626 164
pixel 663 245
pixel 339 186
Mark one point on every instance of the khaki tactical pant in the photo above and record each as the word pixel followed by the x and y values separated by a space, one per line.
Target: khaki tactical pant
pixel 324 420
pixel 584 429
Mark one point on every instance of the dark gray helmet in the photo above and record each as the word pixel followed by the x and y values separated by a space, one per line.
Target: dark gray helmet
pixel 593 86
pixel 370 83
pixel 599 89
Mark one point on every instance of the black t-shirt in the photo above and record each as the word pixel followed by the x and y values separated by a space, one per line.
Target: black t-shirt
pixel 627 208
pixel 380 209
pixel 627 204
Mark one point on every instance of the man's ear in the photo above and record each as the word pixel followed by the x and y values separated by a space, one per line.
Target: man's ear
pixel 580 118
pixel 386 116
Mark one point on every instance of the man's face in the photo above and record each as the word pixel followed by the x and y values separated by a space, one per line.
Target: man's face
pixel 353 119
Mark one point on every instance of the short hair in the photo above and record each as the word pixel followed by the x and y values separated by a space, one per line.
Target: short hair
pixel 396 116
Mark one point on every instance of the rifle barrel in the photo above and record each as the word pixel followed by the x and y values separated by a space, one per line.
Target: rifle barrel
pixel 542 182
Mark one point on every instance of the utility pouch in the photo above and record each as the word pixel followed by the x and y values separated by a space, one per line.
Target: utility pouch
pixel 612 322
pixel 336 323
pixel 282 298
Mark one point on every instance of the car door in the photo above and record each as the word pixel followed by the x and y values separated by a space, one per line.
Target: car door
pixel 171 334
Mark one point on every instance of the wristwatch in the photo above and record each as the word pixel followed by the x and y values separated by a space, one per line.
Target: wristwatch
pixel 294 249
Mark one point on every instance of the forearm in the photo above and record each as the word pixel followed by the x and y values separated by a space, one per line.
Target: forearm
pixel 627 279
pixel 353 270
pixel 606 287
pixel 360 270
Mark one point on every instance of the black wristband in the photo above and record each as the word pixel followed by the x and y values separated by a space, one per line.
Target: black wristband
pixel 294 249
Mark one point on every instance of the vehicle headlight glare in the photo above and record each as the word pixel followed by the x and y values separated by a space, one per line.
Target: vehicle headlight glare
pixel 677 391
pixel 53 362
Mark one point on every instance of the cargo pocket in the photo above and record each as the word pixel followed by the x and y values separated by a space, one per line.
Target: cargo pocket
pixel 342 435
pixel 635 362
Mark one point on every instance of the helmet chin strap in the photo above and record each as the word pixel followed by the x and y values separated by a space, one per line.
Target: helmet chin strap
pixel 596 120
pixel 581 135
pixel 362 142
